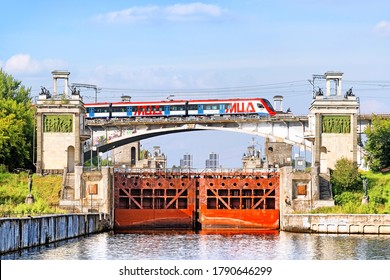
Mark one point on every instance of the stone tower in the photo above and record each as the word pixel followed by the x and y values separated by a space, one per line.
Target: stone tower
pixel 333 124
pixel 60 128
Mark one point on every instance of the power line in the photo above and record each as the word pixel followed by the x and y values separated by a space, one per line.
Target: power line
pixel 288 89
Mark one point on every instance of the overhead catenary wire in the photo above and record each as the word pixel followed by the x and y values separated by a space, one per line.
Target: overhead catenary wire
pixel 293 88
pixel 288 89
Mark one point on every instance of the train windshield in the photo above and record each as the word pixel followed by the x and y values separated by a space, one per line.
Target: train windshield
pixel 268 104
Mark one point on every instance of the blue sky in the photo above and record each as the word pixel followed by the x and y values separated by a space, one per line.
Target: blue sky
pixel 150 49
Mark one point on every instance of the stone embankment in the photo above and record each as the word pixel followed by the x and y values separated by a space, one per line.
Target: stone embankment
pixel 21 233
pixel 331 223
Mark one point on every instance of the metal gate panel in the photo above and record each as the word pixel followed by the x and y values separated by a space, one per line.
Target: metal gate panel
pixel 212 200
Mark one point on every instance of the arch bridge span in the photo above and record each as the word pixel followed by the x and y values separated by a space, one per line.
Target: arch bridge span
pixel 109 134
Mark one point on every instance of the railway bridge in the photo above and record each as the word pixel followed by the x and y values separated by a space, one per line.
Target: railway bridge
pixel 158 198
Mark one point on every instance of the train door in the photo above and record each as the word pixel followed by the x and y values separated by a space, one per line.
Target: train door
pixel 200 109
pixel 222 109
pixel 166 110
pixel 129 111
pixel 91 112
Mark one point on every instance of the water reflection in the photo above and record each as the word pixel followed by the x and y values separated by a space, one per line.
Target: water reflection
pixel 213 245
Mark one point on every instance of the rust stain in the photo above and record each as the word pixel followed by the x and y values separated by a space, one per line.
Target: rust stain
pixel 193 201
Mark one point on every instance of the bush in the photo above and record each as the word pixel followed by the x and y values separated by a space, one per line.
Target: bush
pixel 345 177
pixel 3 168
pixel 346 197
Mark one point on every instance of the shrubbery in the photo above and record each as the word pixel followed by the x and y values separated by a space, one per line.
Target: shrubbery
pixel 14 189
pixel 350 202
pixel 345 177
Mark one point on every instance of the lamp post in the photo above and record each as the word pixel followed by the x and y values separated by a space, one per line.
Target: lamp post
pixel 29 198
pixel 94 148
pixel 99 155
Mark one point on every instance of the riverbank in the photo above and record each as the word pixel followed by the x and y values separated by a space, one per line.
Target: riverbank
pixel 22 233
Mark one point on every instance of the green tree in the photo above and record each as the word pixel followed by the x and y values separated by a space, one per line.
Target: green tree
pixel 378 143
pixel 16 123
pixel 13 89
pixel 345 176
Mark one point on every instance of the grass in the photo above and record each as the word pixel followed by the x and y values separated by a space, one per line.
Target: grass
pixel 351 202
pixel 14 189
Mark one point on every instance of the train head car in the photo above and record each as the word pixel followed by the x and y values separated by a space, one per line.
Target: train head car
pixel 268 106
pixel 237 106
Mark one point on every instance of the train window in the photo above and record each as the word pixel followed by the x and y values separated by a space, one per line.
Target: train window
pixel 268 104
pixel 259 105
pixel 211 107
pixel 101 110
pixel 192 107
pixel 177 108
pixel 156 108
pixel 119 109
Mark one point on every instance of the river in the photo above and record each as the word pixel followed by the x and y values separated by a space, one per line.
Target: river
pixel 222 245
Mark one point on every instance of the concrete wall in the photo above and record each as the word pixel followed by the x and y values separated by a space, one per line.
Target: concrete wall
pixel 278 153
pixel 21 233
pixel 292 200
pixel 102 201
pixel 55 154
pixel 337 223
pixel 334 147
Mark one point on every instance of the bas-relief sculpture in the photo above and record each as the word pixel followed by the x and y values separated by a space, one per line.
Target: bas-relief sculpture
pixel 63 123
pixel 336 124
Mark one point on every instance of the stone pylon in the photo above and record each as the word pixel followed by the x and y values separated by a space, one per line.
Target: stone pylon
pixel 60 128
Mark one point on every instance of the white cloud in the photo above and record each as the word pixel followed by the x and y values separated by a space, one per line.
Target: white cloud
pixel 189 12
pixel 129 15
pixel 21 63
pixel 24 63
pixel 383 28
pixel 193 9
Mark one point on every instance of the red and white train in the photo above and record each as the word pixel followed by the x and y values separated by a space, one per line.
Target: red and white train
pixel 181 108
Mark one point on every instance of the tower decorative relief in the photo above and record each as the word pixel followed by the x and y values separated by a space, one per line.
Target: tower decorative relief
pixel 336 124
pixel 62 123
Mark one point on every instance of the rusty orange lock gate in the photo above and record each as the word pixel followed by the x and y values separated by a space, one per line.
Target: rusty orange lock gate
pixel 189 200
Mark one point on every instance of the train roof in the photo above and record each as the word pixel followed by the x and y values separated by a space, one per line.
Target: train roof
pixel 173 102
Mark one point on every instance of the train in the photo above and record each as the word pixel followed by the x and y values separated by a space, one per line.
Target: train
pixel 180 108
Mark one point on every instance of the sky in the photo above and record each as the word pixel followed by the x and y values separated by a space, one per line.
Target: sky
pixel 201 49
